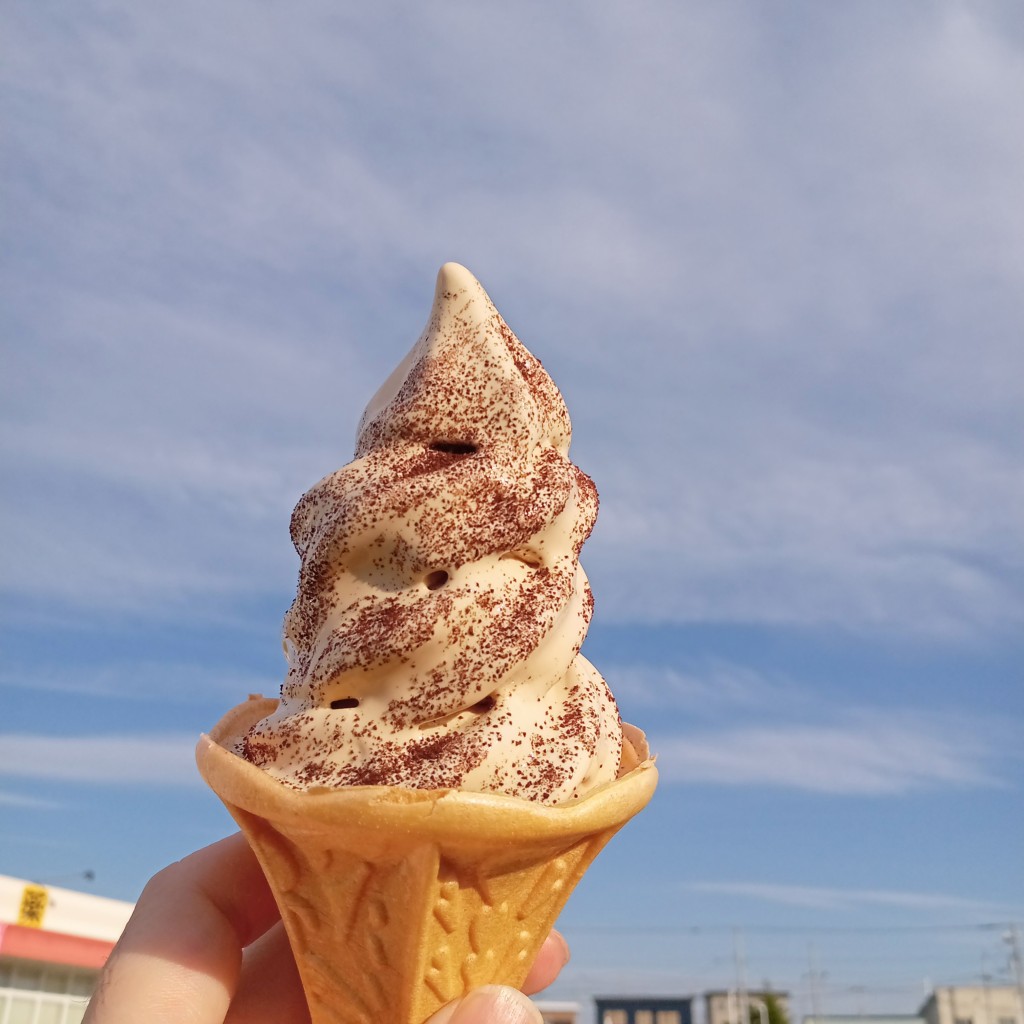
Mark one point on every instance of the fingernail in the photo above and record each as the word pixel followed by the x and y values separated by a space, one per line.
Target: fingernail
pixel 562 945
pixel 496 1004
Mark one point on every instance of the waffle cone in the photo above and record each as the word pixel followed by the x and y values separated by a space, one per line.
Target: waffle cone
pixel 396 900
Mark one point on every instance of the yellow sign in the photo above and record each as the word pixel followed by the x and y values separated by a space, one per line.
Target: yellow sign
pixel 33 906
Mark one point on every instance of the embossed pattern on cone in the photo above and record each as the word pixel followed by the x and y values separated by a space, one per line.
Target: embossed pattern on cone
pixel 398 901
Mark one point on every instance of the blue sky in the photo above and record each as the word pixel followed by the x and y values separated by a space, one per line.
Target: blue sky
pixel 774 257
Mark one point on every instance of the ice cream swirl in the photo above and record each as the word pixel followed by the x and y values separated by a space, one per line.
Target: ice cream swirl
pixel 434 639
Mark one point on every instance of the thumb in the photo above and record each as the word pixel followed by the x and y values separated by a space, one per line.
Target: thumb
pixel 492 1004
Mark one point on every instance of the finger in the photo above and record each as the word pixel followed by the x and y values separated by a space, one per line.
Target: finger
pixel 553 956
pixel 269 988
pixel 492 1004
pixel 498 1004
pixel 180 955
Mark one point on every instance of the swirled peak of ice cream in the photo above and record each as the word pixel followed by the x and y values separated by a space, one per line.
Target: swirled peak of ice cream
pixel 434 639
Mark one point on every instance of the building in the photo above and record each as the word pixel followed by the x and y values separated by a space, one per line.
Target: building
pixel 863 1018
pixel 558 1013
pixel 956 1004
pixel 726 1007
pixel 53 943
pixel 643 1010
pixel 974 1004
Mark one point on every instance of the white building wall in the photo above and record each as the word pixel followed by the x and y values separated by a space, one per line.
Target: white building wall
pixel 974 1004
pixel 63 910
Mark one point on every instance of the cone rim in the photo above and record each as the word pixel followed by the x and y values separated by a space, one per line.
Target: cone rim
pixel 444 813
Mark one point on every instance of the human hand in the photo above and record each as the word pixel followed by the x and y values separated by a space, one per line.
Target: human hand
pixel 206 945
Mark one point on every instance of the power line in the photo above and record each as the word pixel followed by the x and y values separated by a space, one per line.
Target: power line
pixel 781 929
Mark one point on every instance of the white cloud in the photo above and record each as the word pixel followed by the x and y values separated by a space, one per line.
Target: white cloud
pixel 147 760
pixel 141 680
pixel 717 690
pixel 856 753
pixel 23 802
pixel 830 898
pixel 857 540
pixel 783 301
pixel 728 724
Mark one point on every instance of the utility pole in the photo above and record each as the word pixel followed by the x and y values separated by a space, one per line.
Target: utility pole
pixel 1012 939
pixel 814 976
pixel 740 954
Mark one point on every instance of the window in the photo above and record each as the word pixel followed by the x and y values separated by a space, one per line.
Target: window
pixel 668 1017
pixel 40 1008
pixel 20 1010
pixel 27 976
pixel 32 993
pixel 49 1013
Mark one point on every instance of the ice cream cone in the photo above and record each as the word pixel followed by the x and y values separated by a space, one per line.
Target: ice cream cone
pixel 396 900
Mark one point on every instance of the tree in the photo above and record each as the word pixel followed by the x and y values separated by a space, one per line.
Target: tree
pixel 775 1012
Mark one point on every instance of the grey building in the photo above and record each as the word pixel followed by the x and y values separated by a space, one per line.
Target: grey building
pixel 644 1010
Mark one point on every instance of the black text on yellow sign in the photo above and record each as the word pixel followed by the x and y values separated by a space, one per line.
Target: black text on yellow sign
pixel 34 899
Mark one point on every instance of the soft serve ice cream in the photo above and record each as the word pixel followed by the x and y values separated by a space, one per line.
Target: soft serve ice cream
pixel 434 683
pixel 434 639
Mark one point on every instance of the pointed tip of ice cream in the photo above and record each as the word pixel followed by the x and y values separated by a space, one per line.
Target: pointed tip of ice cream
pixel 459 293
pixel 467 375
pixel 453 277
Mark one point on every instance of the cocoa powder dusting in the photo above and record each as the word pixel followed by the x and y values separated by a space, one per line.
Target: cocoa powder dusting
pixel 432 645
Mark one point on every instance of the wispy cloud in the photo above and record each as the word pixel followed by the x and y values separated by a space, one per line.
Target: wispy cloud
pixel 817 285
pixel 139 680
pixel 866 753
pixel 24 802
pixel 856 538
pixel 772 257
pixel 829 898
pixel 148 760
pixel 716 689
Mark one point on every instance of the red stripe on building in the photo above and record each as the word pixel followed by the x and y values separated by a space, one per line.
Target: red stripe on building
pixel 53 947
